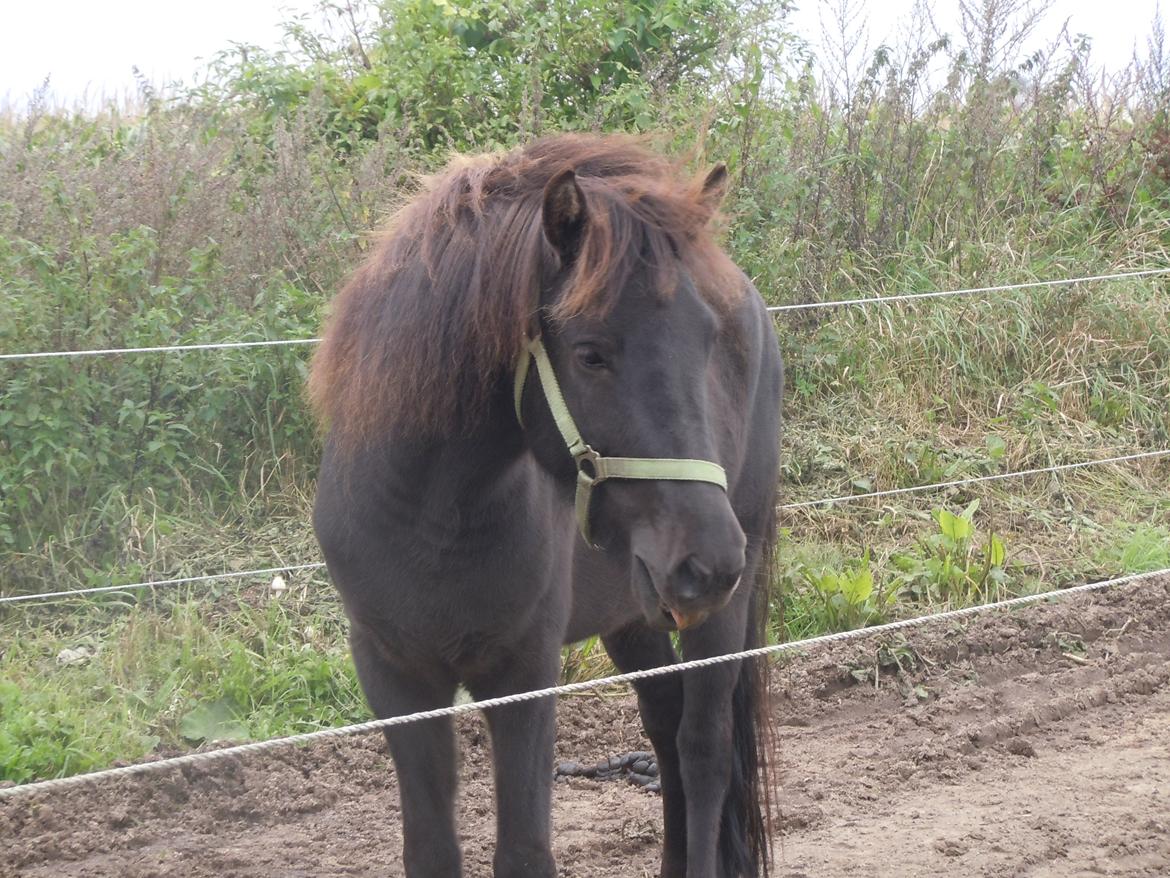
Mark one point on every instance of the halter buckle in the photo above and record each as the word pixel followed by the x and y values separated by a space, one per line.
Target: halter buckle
pixel 587 469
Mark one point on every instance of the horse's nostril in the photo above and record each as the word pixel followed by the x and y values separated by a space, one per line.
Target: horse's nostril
pixel 698 569
pixel 699 577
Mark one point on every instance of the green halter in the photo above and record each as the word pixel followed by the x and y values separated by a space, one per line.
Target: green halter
pixel 592 468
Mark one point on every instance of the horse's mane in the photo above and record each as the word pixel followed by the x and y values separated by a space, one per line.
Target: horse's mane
pixel 422 332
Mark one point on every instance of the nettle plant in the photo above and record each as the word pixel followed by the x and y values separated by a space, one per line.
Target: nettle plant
pixel 953 566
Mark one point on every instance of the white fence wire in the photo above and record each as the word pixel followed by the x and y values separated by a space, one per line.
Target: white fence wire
pixel 154 583
pixel 162 349
pixel 192 759
pixel 938 294
pixel 957 483
pixel 775 309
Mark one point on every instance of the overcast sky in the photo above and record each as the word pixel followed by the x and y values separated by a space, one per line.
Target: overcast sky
pixel 89 47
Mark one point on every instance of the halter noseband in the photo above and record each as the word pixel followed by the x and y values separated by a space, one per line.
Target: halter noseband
pixel 592 468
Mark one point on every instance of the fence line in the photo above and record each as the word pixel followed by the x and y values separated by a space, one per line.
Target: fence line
pixel 1062 467
pixel 57 595
pixel 345 731
pixel 359 728
pixel 803 306
pixel 174 348
pixel 77 592
pixel 907 297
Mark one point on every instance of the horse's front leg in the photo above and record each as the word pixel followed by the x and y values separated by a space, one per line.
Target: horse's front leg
pixel 660 702
pixel 706 739
pixel 523 739
pixel 423 752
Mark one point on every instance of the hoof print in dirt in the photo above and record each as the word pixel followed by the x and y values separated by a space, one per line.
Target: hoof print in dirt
pixel 639 768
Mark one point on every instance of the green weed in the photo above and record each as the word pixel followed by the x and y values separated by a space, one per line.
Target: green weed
pixel 951 566
pixel 846 599
pixel 1141 549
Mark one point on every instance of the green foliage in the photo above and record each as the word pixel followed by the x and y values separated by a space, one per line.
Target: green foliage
pixel 1138 550
pixel 171 678
pixel 952 567
pixel 476 73
pixel 40 736
pixel 847 598
pixel 213 721
pixel 82 435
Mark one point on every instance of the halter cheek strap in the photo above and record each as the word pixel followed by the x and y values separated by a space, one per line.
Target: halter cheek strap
pixel 592 468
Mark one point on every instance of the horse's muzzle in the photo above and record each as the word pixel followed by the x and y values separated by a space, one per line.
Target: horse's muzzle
pixel 696 587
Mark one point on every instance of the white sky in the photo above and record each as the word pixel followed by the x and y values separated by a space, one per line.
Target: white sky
pixel 88 47
pixel 1114 25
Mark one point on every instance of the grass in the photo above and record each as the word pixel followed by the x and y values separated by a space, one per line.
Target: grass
pixel 935 392
pixel 1137 549
pixel 116 682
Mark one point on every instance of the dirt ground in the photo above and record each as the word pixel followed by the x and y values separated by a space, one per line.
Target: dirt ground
pixel 1033 743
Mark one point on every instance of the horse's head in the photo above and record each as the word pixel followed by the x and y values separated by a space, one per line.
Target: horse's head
pixel 634 375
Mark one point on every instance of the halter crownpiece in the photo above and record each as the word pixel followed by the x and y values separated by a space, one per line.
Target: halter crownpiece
pixel 592 468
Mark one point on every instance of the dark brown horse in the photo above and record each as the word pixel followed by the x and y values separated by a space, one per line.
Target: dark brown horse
pixel 445 501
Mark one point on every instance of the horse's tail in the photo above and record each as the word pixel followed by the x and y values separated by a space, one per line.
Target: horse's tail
pixel 743 837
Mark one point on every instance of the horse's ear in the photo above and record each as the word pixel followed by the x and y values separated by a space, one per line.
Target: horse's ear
pixel 564 213
pixel 714 188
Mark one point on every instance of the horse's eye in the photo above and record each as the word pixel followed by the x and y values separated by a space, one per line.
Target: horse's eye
pixel 590 358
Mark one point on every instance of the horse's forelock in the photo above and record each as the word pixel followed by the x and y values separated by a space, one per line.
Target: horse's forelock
pixel 421 333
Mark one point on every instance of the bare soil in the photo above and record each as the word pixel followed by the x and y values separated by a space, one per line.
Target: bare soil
pixel 1031 743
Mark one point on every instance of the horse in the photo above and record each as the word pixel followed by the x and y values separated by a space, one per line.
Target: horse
pixel 471 534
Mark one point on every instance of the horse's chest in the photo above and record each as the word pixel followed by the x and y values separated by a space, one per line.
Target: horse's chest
pixel 460 600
